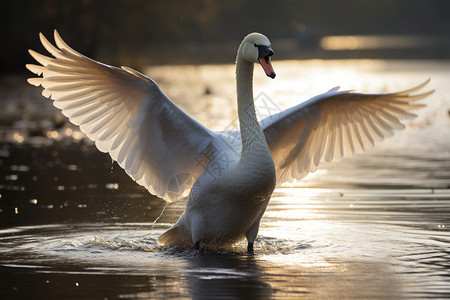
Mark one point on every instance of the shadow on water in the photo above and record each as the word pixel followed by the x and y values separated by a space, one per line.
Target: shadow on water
pixel 236 276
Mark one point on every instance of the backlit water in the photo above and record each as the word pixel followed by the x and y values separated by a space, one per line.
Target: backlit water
pixel 73 225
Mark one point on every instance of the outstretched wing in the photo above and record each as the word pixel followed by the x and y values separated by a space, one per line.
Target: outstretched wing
pixel 127 115
pixel 334 125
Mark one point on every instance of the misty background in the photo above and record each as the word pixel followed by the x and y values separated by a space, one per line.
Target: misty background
pixel 138 33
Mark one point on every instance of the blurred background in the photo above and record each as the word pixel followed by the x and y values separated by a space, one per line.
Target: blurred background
pixel 154 32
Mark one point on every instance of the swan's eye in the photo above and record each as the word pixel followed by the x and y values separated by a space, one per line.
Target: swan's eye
pixel 255 45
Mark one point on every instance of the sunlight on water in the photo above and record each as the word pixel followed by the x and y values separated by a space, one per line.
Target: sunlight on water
pixel 373 226
pixel 365 42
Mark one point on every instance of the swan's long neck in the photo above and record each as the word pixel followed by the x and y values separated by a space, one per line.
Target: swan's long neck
pixel 251 132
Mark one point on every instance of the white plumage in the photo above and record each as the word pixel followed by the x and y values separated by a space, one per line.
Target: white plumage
pixel 168 152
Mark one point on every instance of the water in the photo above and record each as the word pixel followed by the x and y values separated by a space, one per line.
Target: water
pixel 73 225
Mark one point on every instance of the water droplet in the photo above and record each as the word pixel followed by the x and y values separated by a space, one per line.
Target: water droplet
pixel 18 137
pixel 52 134
pixel 12 177
pixel 20 168
pixel 112 186
pixel 77 135
pixel 72 167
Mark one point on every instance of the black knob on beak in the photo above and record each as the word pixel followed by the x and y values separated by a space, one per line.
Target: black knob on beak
pixel 264 51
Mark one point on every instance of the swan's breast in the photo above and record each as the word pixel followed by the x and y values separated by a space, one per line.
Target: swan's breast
pixel 256 178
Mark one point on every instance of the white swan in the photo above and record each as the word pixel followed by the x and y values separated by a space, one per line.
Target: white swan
pixel 171 154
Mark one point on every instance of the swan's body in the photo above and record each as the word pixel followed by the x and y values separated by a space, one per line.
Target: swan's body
pixel 171 154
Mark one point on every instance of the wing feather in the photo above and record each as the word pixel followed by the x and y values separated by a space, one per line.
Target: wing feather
pixel 334 125
pixel 127 115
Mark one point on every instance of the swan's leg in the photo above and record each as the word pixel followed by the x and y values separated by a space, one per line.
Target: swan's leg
pixel 250 248
pixel 253 232
pixel 197 227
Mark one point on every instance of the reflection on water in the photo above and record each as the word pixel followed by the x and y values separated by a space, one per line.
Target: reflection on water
pixel 374 226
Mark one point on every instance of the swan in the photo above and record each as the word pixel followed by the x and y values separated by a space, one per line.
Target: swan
pixel 229 183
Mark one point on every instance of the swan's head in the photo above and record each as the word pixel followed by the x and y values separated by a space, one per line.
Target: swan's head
pixel 256 48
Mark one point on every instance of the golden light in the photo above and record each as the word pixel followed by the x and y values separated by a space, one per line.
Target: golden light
pixel 367 42
pixel 112 186
pixel 52 134
pixel 18 137
pixel 77 135
pixel 68 132
pixel 347 42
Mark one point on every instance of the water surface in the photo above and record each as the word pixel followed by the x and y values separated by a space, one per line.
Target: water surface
pixel 73 225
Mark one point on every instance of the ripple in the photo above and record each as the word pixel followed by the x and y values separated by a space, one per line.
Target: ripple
pixel 375 226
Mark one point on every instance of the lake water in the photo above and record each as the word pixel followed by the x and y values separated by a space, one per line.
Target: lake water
pixel 376 226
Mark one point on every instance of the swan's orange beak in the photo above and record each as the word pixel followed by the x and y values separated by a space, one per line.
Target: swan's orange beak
pixel 267 66
pixel 264 54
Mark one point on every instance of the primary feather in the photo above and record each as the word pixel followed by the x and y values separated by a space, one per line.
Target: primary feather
pixel 127 115
pixel 334 125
